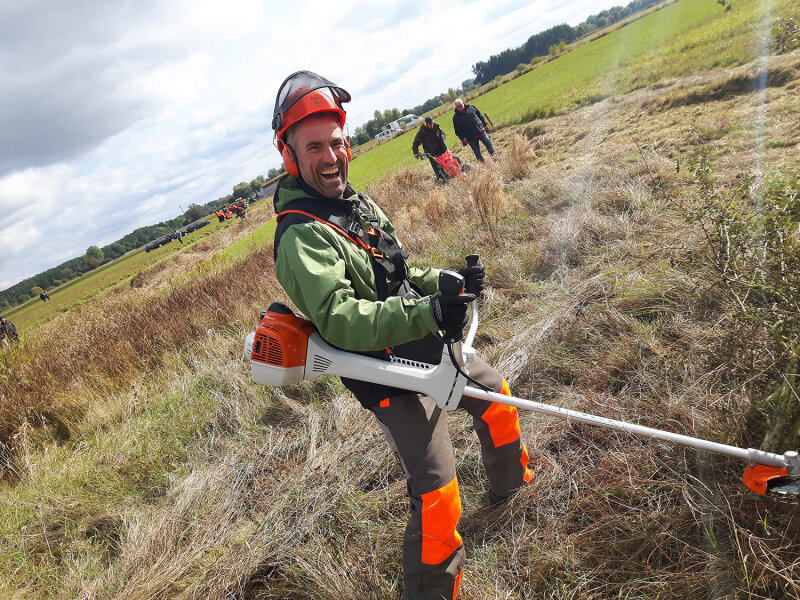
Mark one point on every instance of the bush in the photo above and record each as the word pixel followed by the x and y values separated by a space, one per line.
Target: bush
pixel 752 245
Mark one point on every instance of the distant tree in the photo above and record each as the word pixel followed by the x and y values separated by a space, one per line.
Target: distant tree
pixel 194 212
pixel 584 28
pixel 113 250
pixel 93 257
pixel 273 173
pixel 241 190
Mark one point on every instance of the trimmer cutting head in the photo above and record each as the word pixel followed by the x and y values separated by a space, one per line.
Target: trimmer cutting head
pixel 784 481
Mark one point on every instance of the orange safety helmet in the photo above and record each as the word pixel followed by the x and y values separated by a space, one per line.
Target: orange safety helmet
pixel 299 96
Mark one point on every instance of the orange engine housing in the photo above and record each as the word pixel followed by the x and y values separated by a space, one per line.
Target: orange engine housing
pixel 281 339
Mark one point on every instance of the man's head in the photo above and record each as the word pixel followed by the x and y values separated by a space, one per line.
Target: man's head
pixel 321 153
pixel 428 121
pixel 301 96
pixel 459 104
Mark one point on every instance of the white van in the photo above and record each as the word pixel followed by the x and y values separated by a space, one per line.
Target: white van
pixel 407 121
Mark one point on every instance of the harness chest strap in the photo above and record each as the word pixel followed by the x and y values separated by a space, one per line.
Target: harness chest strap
pixel 387 256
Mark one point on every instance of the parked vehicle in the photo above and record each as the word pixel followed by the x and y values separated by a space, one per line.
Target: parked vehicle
pixel 158 242
pixel 384 135
pixel 397 126
pixel 196 225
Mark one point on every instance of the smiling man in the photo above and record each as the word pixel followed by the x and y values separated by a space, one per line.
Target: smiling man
pixel 338 258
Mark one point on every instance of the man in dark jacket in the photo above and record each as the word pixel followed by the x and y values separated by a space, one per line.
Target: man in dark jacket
pixel 471 128
pixel 431 136
pixel 366 301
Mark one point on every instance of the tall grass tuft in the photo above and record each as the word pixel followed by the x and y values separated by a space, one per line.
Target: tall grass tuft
pixel 488 199
pixel 517 159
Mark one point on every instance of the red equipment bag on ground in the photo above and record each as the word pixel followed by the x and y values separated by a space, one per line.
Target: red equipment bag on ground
pixel 449 163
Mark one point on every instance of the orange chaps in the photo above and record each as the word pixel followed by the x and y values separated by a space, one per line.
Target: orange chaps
pixel 416 429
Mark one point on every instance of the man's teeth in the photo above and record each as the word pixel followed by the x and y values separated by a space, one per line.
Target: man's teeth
pixel 334 171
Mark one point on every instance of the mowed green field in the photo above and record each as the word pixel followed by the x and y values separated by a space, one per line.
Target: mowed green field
pixel 682 38
pixel 120 272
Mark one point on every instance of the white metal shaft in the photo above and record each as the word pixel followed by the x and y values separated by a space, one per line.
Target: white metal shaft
pixel 750 455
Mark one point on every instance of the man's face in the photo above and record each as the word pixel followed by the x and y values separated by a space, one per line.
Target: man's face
pixel 460 107
pixel 430 125
pixel 322 154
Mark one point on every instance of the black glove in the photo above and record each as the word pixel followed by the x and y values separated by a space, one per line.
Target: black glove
pixel 473 278
pixel 450 312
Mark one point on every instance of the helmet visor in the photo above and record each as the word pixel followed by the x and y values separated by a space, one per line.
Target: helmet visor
pixel 298 85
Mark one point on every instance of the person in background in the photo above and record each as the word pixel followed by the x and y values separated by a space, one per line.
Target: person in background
pixel 432 138
pixel 471 128
pixel 7 331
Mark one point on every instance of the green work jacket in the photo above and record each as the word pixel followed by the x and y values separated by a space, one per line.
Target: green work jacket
pixel 332 282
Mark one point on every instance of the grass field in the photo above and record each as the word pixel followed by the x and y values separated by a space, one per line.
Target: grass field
pixel 139 460
pixel 685 37
pixel 116 273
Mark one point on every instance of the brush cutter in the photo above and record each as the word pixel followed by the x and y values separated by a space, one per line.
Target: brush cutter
pixel 287 349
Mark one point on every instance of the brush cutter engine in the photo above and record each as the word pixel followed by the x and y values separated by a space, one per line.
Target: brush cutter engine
pixel 287 349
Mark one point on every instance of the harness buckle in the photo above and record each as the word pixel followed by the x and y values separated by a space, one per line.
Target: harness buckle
pixel 376 253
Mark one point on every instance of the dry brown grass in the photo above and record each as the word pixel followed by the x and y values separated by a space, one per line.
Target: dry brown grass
pixel 293 493
pixel 517 158
pixel 102 347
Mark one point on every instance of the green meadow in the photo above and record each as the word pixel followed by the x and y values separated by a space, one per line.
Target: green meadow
pixel 121 271
pixel 684 37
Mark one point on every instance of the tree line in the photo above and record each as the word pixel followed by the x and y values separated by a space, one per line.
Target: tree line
pixel 96 256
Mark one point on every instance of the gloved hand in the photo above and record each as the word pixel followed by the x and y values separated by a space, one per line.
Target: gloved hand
pixel 473 278
pixel 416 155
pixel 488 129
pixel 450 312
pixel 463 141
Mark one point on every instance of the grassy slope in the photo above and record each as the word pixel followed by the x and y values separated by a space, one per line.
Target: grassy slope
pixel 187 480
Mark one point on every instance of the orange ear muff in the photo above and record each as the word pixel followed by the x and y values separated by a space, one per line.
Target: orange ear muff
pixel 289 162
pixel 349 152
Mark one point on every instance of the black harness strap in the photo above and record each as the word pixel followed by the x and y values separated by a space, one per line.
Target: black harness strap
pixel 389 268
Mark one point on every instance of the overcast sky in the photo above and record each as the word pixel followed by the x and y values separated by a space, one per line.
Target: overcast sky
pixel 114 114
